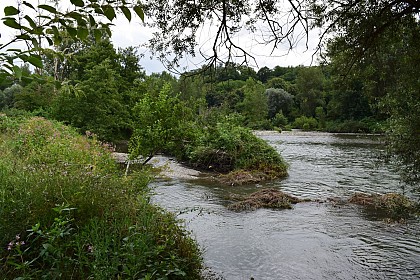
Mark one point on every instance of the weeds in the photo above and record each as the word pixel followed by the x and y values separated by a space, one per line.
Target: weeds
pixel 67 213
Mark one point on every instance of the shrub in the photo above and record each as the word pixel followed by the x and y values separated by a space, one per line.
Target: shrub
pixel 306 123
pixel 227 147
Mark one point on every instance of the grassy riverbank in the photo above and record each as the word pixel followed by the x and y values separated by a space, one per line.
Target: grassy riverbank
pixel 67 213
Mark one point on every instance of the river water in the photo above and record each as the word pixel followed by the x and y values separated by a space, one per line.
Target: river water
pixel 313 240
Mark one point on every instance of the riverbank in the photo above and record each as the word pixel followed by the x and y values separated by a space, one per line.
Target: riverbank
pixel 67 213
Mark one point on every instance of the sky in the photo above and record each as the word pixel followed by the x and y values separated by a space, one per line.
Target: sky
pixel 135 33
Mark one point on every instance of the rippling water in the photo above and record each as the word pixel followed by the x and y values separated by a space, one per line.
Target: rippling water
pixel 312 240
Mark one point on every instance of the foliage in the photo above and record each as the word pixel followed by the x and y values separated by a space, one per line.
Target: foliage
pixel 67 213
pixel 159 124
pixel 39 24
pixel 176 35
pixel 95 104
pixel 254 105
pixel 280 120
pixel 310 84
pixel 278 100
pixel 227 147
pixel 306 123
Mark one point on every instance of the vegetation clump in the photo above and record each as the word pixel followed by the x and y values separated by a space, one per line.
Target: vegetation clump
pixel 67 213
pixel 266 198
pixel 241 156
pixel 394 206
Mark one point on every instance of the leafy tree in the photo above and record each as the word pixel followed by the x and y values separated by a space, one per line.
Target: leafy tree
pixel 37 95
pixel 361 24
pixel 7 96
pixel 254 106
pixel 160 122
pixel 280 83
pixel 389 73
pixel 95 104
pixel 278 101
pixel 176 33
pixel 264 74
pixel 309 83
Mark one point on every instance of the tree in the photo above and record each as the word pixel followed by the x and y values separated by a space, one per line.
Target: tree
pixel 389 76
pixel 178 22
pixel 254 106
pixel 309 82
pixel 95 104
pixel 37 25
pixel 278 101
pixel 160 122
pixel 361 24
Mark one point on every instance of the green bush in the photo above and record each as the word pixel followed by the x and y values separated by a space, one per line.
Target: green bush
pixel 227 147
pixel 280 120
pixel 67 213
pixel 306 123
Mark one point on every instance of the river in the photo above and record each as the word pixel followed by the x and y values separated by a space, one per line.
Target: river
pixel 313 240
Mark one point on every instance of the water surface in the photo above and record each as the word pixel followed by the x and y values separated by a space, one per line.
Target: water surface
pixel 312 240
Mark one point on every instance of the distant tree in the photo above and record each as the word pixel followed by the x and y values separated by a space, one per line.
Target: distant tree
pixel 309 83
pixel 264 74
pixel 95 104
pixel 254 106
pixel 278 101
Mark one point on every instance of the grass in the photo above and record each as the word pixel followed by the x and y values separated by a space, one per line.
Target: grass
pixel 67 213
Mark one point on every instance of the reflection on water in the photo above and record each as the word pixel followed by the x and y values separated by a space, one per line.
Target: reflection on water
pixel 313 240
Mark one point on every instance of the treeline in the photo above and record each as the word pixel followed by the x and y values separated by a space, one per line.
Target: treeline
pixel 97 88
pixel 94 87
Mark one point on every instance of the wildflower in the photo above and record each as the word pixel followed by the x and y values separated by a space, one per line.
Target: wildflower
pixel 90 248
pixel 10 245
pixel 17 236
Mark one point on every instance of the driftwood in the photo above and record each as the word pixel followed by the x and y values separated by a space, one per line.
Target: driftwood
pixel 266 198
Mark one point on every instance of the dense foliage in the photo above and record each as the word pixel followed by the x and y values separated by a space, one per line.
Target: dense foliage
pixel 67 213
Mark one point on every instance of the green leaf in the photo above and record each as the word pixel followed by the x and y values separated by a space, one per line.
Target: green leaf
pixel 35 43
pixel 35 60
pixel 28 5
pixel 72 31
pixel 24 37
pixel 10 11
pixel 92 20
pixel 109 12
pixel 18 72
pixel 97 34
pixel 82 33
pixel 48 8
pixel 139 11
pixel 11 22
pixel 31 21
pixel 78 3
pixel 126 12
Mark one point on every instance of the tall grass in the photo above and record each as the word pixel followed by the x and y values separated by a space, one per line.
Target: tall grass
pixel 67 213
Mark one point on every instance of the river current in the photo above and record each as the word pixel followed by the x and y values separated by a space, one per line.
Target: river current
pixel 314 240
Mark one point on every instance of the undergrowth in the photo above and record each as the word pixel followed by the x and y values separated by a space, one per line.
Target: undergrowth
pixel 66 211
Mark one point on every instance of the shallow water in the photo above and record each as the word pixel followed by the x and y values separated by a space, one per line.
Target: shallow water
pixel 312 240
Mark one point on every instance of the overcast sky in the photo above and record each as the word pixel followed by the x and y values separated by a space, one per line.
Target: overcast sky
pixel 134 33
